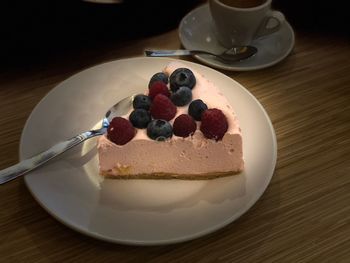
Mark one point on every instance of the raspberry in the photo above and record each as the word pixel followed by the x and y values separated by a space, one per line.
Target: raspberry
pixel 158 87
pixel 120 131
pixel 162 108
pixel 184 125
pixel 214 124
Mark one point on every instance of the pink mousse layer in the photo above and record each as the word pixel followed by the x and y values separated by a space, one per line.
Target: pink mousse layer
pixel 191 155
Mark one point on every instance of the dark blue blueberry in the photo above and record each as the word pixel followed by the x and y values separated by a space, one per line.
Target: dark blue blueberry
pixel 182 77
pixel 141 102
pixel 196 108
pixel 159 130
pixel 182 96
pixel 160 76
pixel 140 118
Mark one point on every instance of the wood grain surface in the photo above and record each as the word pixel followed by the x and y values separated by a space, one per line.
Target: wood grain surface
pixel 304 215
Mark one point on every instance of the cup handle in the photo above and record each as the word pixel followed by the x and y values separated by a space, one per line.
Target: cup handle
pixel 275 17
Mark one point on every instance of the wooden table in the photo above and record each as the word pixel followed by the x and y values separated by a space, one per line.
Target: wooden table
pixel 303 216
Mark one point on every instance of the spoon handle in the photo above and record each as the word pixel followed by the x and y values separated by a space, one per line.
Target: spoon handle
pixel 168 53
pixel 27 165
pixel 176 52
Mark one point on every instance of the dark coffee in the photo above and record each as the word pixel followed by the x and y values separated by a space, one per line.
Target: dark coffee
pixel 243 3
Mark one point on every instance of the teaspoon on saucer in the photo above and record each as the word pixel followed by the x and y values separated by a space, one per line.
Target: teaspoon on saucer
pixel 230 55
pixel 12 172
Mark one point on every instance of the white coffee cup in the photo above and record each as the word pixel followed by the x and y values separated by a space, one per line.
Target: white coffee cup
pixel 241 25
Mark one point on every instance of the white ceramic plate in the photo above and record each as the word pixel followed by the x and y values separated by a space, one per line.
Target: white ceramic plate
pixel 196 32
pixel 143 212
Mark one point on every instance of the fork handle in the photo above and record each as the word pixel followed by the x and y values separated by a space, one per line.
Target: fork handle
pixel 27 165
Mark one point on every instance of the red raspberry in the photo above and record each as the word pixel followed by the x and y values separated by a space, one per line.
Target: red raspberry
pixel 158 87
pixel 214 124
pixel 184 125
pixel 120 131
pixel 162 108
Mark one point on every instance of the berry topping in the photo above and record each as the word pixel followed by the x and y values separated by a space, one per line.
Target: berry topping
pixel 214 124
pixel 120 131
pixel 160 76
pixel 182 96
pixel 182 77
pixel 141 102
pixel 159 130
pixel 140 118
pixel 162 108
pixel 158 87
pixel 196 108
pixel 184 125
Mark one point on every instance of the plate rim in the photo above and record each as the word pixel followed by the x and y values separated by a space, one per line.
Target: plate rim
pixel 228 67
pixel 202 233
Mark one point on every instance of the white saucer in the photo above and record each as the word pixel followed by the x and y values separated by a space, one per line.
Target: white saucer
pixel 196 32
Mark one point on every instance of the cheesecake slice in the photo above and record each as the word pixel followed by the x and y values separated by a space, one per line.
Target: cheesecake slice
pixel 197 154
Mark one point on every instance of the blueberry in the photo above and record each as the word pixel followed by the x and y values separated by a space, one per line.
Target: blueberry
pixel 182 96
pixel 160 76
pixel 182 77
pixel 159 130
pixel 196 108
pixel 140 118
pixel 141 102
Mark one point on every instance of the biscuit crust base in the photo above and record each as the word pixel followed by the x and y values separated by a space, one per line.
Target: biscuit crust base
pixel 206 176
